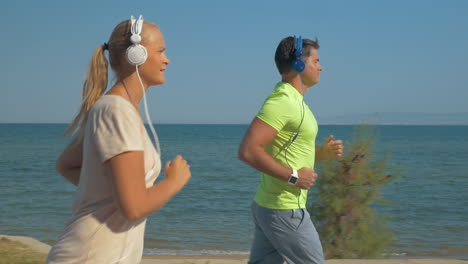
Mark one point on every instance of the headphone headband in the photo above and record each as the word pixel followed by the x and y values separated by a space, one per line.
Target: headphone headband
pixel 136 29
pixel 298 65
pixel 298 46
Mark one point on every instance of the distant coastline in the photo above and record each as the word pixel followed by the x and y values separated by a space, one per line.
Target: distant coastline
pixel 398 118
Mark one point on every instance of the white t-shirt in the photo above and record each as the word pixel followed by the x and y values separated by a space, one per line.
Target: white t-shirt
pixel 98 231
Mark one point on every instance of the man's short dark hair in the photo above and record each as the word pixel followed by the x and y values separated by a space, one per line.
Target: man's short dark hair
pixel 284 54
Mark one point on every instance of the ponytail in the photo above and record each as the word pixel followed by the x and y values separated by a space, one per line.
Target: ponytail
pixel 94 86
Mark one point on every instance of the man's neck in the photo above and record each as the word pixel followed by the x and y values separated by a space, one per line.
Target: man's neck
pixel 295 81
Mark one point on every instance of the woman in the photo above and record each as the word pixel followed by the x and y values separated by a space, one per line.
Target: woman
pixel 112 159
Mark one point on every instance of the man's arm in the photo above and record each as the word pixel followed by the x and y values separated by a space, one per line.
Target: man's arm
pixel 252 151
pixel 69 163
pixel 330 150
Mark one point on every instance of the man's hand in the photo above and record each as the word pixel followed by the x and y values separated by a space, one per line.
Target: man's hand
pixel 332 149
pixel 306 179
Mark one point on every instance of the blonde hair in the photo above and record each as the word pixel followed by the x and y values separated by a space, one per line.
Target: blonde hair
pixel 93 87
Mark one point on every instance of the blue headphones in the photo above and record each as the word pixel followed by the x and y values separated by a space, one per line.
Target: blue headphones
pixel 298 65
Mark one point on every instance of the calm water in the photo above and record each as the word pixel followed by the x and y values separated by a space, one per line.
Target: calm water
pixel 211 215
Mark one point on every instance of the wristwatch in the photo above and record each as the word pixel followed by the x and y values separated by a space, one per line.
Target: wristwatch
pixel 293 178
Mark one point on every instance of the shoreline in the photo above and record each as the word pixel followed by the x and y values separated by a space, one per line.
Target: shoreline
pixel 44 248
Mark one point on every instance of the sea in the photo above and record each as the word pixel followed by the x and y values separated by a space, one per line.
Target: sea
pixel 428 212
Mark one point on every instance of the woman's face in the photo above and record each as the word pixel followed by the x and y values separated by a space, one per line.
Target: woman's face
pixel 152 71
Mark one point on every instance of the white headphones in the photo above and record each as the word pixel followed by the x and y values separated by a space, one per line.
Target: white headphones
pixel 136 54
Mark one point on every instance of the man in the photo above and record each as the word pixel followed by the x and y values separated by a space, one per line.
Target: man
pixel 280 143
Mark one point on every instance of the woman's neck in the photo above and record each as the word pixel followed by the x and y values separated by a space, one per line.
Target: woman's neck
pixel 130 89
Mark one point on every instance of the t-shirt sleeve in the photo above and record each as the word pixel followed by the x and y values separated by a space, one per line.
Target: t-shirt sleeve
pixel 277 111
pixel 117 129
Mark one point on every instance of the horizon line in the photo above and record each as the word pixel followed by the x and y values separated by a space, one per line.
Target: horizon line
pixel 234 124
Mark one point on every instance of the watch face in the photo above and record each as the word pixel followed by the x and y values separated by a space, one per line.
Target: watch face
pixel 292 180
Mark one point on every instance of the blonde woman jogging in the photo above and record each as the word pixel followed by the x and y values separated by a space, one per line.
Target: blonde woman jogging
pixel 112 159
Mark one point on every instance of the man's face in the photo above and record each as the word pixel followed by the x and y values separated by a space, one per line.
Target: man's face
pixel 311 74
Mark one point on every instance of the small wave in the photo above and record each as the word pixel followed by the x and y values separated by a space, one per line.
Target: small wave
pixel 21 169
pixel 394 255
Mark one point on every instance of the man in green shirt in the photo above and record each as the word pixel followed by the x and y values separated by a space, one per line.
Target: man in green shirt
pixel 280 143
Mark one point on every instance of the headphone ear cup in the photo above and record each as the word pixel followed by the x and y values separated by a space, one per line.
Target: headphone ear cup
pixel 136 54
pixel 298 65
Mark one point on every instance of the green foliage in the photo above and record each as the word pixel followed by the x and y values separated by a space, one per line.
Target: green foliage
pixel 347 225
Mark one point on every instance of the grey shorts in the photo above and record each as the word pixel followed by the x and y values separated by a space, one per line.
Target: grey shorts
pixel 284 235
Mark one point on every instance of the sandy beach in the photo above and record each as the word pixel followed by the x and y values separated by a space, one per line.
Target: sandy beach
pixel 239 260
pixel 44 248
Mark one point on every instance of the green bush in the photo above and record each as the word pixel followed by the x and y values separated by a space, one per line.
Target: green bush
pixel 342 213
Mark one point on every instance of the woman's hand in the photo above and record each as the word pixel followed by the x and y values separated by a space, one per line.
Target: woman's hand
pixel 69 163
pixel 178 171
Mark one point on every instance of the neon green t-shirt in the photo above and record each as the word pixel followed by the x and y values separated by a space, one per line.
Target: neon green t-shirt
pixel 283 111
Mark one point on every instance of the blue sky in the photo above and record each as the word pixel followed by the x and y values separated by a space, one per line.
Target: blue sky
pixel 378 56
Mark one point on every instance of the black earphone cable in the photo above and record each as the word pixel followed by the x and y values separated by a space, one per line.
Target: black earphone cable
pixel 296 134
pixel 293 138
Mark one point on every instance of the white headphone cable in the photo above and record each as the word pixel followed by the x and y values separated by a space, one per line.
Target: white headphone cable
pixel 148 118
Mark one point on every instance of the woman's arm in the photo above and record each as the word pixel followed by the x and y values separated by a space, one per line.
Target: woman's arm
pixel 69 162
pixel 135 200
